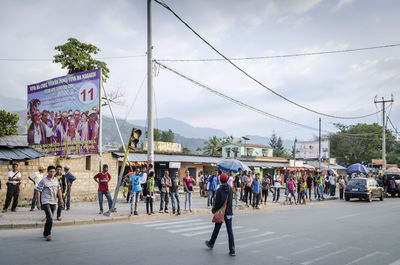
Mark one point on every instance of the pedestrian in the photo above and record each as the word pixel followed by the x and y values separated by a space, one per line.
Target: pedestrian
pixel 222 211
pixel 320 187
pixel 201 183
pixel 188 188
pixel 242 191
pixel 342 186
pixel 14 180
pixel 206 184
pixel 212 188
pixel 47 191
pixel 69 179
pixel 150 193
pixel 136 188
pixel 277 187
pixel 175 194
pixel 128 195
pixel 165 187
pixel 255 186
pixel 143 183
pixel 266 182
pixel 61 179
pixel 230 178
pixel 309 185
pixel 237 186
pixel 36 178
pixel 332 185
pixel 303 191
pixel 247 188
pixel 291 189
pixel 102 178
pixel 298 190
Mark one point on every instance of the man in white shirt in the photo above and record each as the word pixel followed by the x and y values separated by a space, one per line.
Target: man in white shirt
pixel 143 181
pixel 14 180
pixel 277 187
pixel 36 178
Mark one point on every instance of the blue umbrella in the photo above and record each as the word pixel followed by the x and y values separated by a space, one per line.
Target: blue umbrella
pixel 231 164
pixel 357 168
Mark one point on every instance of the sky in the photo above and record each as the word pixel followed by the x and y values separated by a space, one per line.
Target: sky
pixel 342 84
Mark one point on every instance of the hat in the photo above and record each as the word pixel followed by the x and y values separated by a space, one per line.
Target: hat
pixel 223 178
pixel 105 166
pixel 41 168
pixel 66 167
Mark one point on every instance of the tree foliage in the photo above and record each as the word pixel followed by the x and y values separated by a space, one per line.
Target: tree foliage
pixel 361 143
pixel 277 145
pixel 8 123
pixel 213 146
pixel 76 56
pixel 164 136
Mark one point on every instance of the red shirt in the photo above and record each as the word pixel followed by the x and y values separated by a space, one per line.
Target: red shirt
pixel 103 181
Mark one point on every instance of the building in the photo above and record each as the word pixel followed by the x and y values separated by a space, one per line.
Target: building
pixel 247 151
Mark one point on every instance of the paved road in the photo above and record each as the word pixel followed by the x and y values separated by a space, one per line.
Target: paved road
pixel 331 232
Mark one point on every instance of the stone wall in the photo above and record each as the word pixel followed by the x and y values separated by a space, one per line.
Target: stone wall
pixel 83 168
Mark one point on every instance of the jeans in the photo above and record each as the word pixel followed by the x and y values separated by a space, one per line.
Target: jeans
pixel 333 190
pixel 341 193
pixel 256 199
pixel 277 191
pixel 265 195
pixel 48 210
pixel 188 197
pixel 175 195
pixel 12 193
pixel 134 196
pixel 68 203
pixel 309 192
pixel 149 203
pixel 217 227
pixel 59 208
pixel 237 195
pixel 247 194
pixel 321 192
pixel 108 196
pixel 164 200
pixel 34 200
pixel 129 194
pixel 211 198
pixel 315 191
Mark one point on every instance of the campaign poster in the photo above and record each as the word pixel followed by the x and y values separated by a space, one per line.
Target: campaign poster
pixel 63 114
pixel 309 150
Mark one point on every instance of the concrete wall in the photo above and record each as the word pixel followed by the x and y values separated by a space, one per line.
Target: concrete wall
pixel 84 187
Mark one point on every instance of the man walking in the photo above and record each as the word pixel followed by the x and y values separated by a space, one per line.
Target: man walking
pixel 69 179
pixel 14 180
pixel 175 194
pixel 102 178
pixel 36 178
pixel 47 191
pixel 165 186
pixel 61 179
pixel 223 199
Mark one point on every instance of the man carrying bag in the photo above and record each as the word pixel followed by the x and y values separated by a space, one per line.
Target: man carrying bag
pixel 14 180
pixel 222 211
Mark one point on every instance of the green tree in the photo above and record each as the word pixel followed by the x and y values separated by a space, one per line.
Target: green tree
pixel 8 123
pixel 76 56
pixel 213 146
pixel 277 145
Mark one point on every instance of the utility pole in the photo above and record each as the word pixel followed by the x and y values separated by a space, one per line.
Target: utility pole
pixel 383 101
pixel 319 146
pixel 150 94
pixel 294 156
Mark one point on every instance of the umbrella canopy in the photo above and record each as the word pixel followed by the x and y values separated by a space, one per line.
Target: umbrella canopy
pixel 393 171
pixel 325 171
pixel 232 164
pixel 357 168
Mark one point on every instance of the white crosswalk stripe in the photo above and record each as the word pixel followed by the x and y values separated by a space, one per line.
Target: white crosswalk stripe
pixel 323 257
pixel 159 221
pixel 210 226
pixel 220 235
pixel 368 256
pixel 262 241
pixel 168 223
pixel 250 237
pixel 181 225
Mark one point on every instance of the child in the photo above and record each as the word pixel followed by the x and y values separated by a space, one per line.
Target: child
pixel 303 191
pixel 150 195
pixel 255 186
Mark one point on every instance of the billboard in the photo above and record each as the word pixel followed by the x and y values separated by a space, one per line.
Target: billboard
pixel 165 147
pixel 63 114
pixel 309 150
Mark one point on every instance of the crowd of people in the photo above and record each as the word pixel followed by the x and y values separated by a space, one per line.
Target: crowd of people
pixel 64 132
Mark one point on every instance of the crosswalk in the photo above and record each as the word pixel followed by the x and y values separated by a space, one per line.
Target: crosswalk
pixel 281 248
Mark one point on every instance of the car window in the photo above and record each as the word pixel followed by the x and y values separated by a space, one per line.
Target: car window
pixel 357 182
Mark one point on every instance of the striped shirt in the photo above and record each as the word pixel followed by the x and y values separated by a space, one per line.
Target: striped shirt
pixel 48 188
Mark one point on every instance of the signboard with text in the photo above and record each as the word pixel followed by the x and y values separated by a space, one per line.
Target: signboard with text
pixel 63 114
pixel 309 150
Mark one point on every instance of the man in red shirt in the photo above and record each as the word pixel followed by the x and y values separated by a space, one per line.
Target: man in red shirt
pixel 102 179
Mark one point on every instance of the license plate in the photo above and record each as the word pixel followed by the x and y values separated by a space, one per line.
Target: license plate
pixel 354 189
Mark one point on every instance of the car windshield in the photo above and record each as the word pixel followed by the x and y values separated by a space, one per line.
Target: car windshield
pixel 357 182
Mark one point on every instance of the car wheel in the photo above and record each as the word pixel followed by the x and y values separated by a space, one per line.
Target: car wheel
pixel 370 198
pixel 381 198
pixel 347 199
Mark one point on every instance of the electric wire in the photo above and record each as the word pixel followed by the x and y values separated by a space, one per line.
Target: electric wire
pixel 253 78
pixel 48 60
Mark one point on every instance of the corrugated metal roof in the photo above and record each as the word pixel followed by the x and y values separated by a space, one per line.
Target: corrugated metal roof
pixel 264 164
pixel 14 141
pixel 134 157
pixel 19 153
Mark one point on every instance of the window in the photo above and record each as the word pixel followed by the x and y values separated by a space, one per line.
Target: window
pixel 88 163
pixel 228 153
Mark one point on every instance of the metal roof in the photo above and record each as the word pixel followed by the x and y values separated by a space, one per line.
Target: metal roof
pixel 135 157
pixel 14 141
pixel 19 153
pixel 264 164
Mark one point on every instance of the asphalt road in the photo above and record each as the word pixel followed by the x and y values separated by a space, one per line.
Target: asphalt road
pixel 329 232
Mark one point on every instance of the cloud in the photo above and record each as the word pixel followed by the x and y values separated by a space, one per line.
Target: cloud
pixel 341 4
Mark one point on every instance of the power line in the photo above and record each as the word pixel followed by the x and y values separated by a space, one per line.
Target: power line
pixel 48 60
pixel 253 78
pixel 281 56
